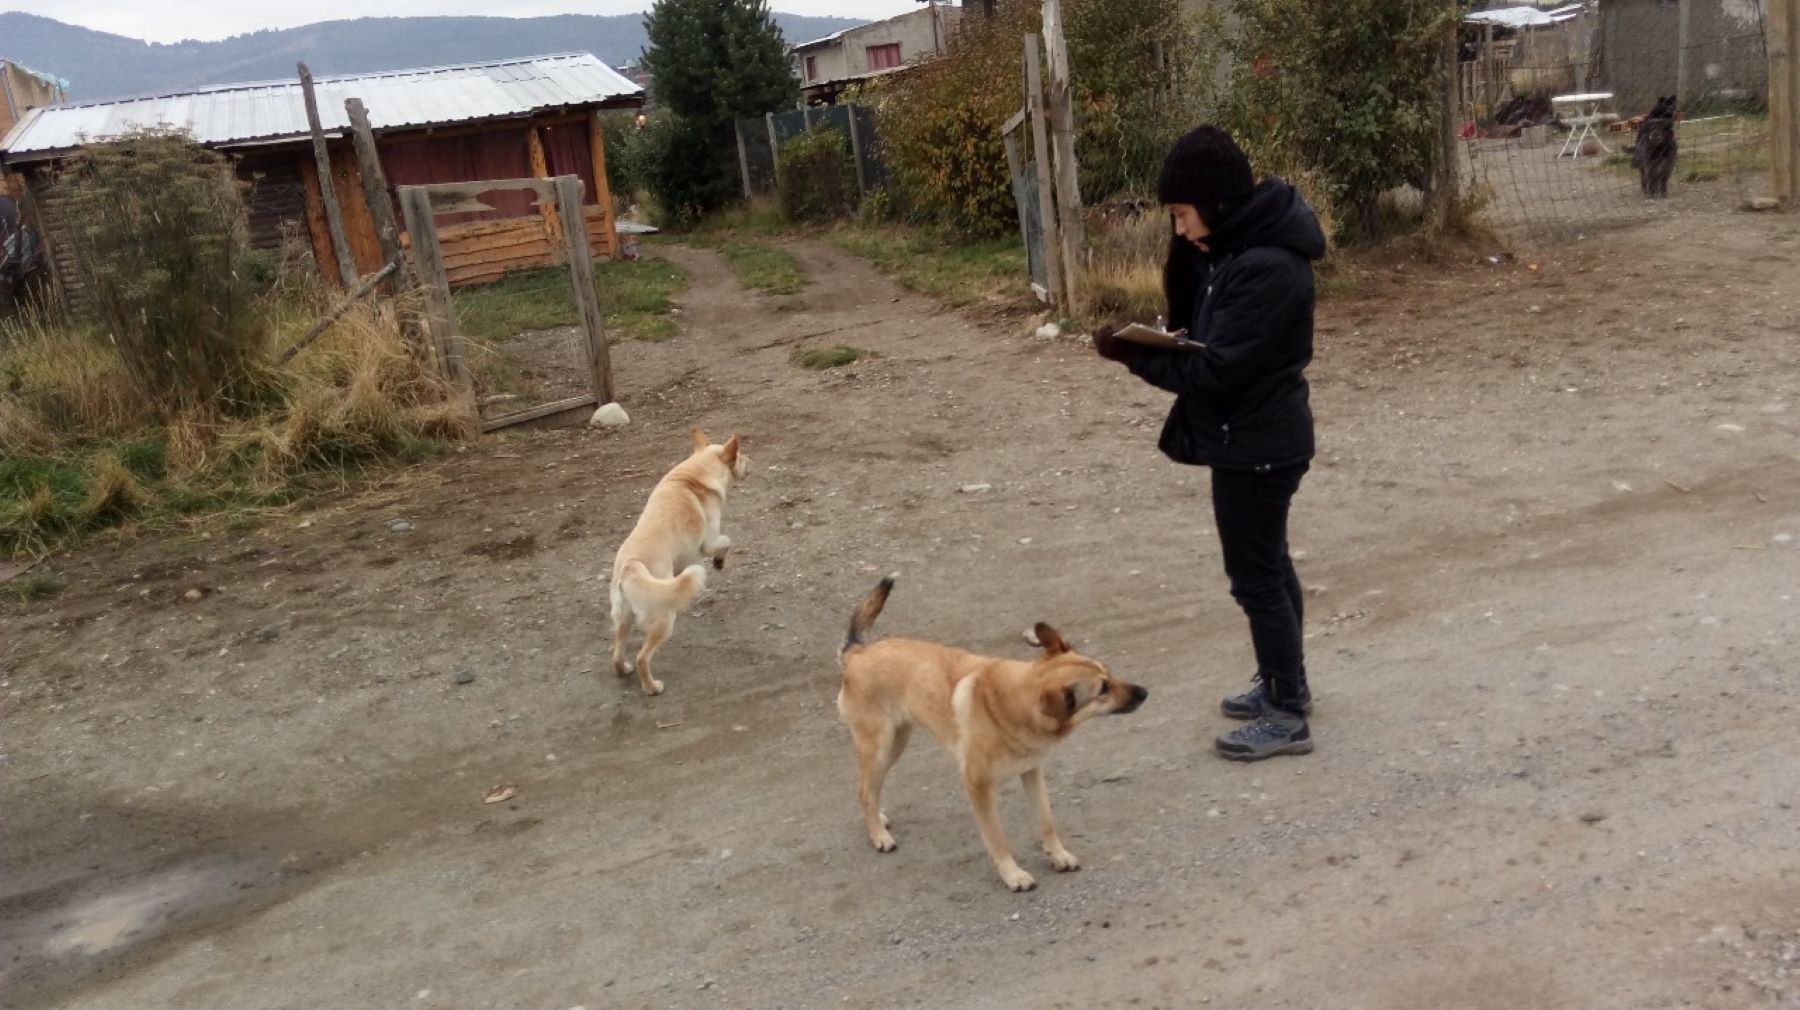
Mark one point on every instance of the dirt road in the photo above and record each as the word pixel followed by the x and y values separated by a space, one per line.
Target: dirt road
pixel 1552 569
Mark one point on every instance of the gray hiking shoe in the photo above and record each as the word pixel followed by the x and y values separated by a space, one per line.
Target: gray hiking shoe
pixel 1277 732
pixel 1254 702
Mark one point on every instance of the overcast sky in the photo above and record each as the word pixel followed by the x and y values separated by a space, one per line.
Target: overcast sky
pixel 173 20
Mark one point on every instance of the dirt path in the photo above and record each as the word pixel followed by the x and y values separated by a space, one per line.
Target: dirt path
pixel 1550 551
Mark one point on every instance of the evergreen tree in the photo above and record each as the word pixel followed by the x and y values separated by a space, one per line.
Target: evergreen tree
pixel 711 63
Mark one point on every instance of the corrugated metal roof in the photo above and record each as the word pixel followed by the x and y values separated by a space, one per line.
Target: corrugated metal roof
pixel 239 114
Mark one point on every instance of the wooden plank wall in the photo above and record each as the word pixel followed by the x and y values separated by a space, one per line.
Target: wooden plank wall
pixel 489 250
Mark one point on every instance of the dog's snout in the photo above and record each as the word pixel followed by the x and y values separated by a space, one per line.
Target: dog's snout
pixel 1135 697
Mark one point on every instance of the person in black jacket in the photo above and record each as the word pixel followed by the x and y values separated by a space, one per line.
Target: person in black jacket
pixel 1239 279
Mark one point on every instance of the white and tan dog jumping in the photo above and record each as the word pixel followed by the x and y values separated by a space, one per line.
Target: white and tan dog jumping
pixel 658 570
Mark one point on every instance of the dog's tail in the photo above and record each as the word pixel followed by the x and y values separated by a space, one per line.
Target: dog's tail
pixel 647 592
pixel 864 618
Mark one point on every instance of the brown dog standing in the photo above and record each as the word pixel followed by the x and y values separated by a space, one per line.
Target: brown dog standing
pixel 657 573
pixel 999 717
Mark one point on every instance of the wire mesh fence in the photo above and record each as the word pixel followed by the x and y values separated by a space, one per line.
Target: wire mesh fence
pixel 1607 118
pixel 760 142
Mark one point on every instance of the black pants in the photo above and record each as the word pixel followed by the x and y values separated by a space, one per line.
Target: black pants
pixel 1251 508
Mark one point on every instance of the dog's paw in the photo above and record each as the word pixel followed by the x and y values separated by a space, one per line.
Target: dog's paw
pixel 654 688
pixel 718 562
pixel 1017 880
pixel 623 669
pixel 883 842
pixel 1063 860
pixel 885 821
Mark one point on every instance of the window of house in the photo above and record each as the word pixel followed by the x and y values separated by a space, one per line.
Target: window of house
pixel 885 56
pixel 812 68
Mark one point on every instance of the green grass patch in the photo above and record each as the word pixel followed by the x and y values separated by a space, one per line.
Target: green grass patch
pixel 958 273
pixel 819 359
pixel 33 587
pixel 762 267
pixel 634 297
pixel 760 217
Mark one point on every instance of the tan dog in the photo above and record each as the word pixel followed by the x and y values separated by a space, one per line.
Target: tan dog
pixel 1000 717
pixel 679 527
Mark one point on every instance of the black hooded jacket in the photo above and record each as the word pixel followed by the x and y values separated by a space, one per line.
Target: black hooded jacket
pixel 1242 402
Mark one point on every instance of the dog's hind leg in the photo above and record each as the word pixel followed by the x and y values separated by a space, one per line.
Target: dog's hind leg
pixel 621 630
pixel 655 634
pixel 878 746
pixel 1061 858
pixel 981 799
pixel 716 548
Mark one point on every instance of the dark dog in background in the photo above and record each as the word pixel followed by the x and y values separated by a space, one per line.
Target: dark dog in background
pixel 1653 155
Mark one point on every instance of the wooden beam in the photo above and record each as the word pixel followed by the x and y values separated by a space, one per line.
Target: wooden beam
pixel 1040 142
pixel 581 271
pixel 315 224
pixel 540 167
pixel 540 411
pixel 374 180
pixel 1784 99
pixel 603 194
pixel 1017 120
pixel 334 216
pixel 428 266
pixel 544 188
pixel 1015 169
pixel 743 158
pixel 1068 174
pixel 1444 196
pixel 856 152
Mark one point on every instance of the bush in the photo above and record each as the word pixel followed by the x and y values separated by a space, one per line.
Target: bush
pixel 682 172
pixel 619 132
pixel 1349 90
pixel 155 222
pixel 940 127
pixel 815 177
pixel 940 124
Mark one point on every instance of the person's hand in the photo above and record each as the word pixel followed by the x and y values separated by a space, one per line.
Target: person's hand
pixel 1110 347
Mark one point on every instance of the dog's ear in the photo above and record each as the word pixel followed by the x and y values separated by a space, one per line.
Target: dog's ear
pixel 731 449
pixel 698 437
pixel 1051 641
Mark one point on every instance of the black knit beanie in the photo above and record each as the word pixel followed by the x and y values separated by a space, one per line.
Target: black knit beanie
pixel 1207 169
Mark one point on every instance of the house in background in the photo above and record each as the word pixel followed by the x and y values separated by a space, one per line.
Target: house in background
pixel 1705 52
pixel 522 118
pixel 21 90
pixel 828 66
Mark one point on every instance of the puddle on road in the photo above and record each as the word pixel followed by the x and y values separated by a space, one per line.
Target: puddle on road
pixel 134 912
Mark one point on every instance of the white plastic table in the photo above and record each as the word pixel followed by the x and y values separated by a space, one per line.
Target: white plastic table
pixel 1587 114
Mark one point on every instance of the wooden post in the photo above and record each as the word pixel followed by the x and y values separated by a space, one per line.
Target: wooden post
pixel 1444 195
pixel 1040 141
pixel 1068 177
pixel 1784 99
pixel 434 280
pixel 540 169
pixel 581 271
pixel 806 114
pixel 743 158
pixel 1014 169
pixel 603 194
pixel 862 176
pixel 375 188
pixel 1681 53
pixel 334 214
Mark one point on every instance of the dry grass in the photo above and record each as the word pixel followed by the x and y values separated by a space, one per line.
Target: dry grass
pixel 1124 280
pixel 80 452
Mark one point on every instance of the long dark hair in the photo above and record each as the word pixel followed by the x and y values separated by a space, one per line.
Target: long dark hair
pixel 1181 270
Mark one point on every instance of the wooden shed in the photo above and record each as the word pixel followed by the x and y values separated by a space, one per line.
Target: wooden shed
pixel 524 118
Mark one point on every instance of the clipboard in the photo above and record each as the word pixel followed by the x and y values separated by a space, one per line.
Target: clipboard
pixel 1156 336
